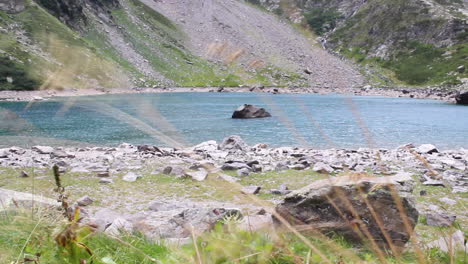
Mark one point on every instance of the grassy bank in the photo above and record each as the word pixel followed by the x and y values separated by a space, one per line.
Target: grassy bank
pixel 32 237
pixel 24 234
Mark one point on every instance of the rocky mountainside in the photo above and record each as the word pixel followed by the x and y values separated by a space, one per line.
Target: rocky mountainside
pixel 416 42
pixel 143 43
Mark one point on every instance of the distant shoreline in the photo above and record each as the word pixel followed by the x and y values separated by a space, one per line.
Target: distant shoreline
pixel 447 95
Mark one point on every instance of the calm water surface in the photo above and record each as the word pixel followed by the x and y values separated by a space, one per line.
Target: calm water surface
pixel 320 121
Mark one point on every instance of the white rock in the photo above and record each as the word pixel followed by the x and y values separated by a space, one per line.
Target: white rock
pixel 199 175
pixel 244 172
pixel 43 149
pixel 322 168
pixel 427 149
pixel 454 242
pixel 118 226
pixel 106 180
pixel 207 146
pixel 448 201
pixel 130 177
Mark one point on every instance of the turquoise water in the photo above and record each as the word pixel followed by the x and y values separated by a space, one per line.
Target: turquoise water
pixel 320 121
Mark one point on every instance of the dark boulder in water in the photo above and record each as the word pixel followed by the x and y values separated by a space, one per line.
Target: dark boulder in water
pixel 250 111
pixel 462 98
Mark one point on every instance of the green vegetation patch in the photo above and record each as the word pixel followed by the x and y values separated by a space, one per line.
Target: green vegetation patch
pixel 421 64
pixel 322 20
pixel 14 76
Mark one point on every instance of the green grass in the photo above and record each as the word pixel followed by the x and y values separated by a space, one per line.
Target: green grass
pixel 20 79
pixel 411 61
pixel 25 235
pixel 52 48
pixel 422 64
pixel 322 20
pixel 226 244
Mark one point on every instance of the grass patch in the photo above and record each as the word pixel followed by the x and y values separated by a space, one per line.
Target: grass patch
pixel 25 235
pixel 421 64
pixel 14 76
pixel 322 20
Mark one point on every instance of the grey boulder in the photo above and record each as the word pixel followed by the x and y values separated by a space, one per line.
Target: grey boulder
pixel 339 205
pixel 233 143
pixel 249 111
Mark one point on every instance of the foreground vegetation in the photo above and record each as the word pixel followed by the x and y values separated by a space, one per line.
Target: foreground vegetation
pixel 30 236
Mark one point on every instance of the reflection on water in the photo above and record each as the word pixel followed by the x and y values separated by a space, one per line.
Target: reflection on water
pixel 181 119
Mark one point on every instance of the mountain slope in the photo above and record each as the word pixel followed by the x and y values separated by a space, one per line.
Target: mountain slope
pixel 233 31
pixel 416 42
pixel 121 43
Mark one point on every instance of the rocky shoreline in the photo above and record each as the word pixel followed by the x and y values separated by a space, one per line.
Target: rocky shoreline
pixel 447 95
pixel 231 161
pixel 233 154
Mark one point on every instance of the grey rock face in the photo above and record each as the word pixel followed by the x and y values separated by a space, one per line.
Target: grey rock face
pixel 339 204
pixel 84 201
pixel 234 166
pixel 462 98
pixel 438 219
pixel 244 172
pixel 233 143
pixel 12 6
pixel 250 111
pixel 322 168
pixel 199 175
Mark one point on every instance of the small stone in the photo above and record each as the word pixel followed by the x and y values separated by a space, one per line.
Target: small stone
pixel 84 201
pixel 280 192
pixel 251 190
pixel 243 172
pixel 423 193
pixel 228 178
pixel 257 168
pixel 3 154
pixel 130 177
pixel 106 180
pixel 437 219
pixel 119 225
pixel 427 149
pixel 282 165
pixel 24 174
pixel 297 167
pixel 177 171
pixel 230 166
pixel 434 183
pixel 158 206
pixel 103 174
pixel 43 149
pixel 460 189
pixel 199 175
pixel 455 241
pixel 322 168
pixel 448 201
pixel 167 170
